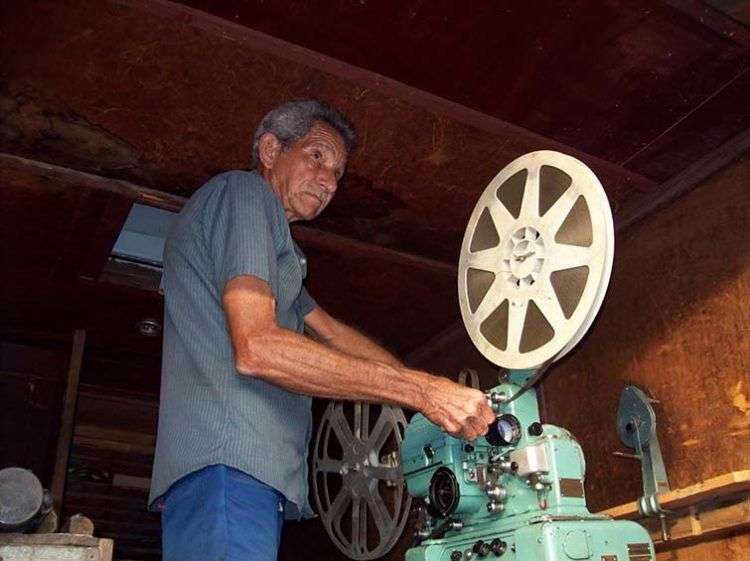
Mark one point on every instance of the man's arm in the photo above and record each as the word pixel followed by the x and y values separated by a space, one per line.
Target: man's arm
pixel 282 357
pixel 341 337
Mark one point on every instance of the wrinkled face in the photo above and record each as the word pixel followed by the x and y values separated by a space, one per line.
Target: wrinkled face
pixel 305 175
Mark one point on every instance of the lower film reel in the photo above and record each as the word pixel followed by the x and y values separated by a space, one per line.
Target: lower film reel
pixel 358 487
pixel 535 260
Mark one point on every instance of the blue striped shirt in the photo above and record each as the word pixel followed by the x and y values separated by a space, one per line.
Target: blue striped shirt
pixel 209 413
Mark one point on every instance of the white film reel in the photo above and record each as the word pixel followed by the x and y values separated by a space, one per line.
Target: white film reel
pixel 535 260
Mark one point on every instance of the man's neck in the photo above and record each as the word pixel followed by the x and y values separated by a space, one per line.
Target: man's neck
pixel 266 174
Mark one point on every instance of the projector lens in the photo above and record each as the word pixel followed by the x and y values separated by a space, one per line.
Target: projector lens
pixel 444 493
pixel 505 431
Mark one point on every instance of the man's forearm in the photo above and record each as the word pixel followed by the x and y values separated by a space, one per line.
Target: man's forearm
pixel 300 365
pixel 350 341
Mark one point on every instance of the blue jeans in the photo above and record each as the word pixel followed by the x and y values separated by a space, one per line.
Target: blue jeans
pixel 221 514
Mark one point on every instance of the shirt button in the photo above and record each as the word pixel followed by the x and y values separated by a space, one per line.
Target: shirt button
pixel 303 261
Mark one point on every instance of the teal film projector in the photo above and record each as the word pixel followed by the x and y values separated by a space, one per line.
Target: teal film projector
pixel 534 268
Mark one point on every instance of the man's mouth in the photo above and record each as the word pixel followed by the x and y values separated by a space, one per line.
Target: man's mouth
pixel 320 199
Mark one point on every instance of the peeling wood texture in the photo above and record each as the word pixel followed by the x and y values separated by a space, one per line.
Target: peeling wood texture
pixel 124 71
pixel 530 64
pixel 674 322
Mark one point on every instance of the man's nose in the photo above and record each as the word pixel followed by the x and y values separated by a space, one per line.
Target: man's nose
pixel 327 180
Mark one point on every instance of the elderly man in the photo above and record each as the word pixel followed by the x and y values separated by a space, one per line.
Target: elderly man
pixel 237 373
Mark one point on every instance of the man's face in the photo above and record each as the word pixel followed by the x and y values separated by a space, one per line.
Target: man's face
pixel 305 175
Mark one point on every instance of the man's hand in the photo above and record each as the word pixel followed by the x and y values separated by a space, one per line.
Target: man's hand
pixel 461 411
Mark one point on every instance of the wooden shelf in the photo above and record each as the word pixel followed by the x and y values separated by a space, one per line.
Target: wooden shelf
pixel 697 513
pixel 716 487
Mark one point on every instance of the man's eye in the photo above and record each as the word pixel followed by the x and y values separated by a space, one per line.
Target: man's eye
pixel 317 156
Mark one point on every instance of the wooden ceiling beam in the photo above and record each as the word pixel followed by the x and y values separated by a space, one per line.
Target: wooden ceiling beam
pixel 337 243
pixel 714 19
pixel 10 164
pixel 637 209
pixel 368 80
pixel 14 165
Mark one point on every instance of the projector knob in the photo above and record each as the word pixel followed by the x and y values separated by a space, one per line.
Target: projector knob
pixel 481 548
pixel 498 547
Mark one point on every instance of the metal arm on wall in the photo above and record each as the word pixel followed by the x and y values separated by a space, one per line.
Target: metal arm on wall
pixel 636 426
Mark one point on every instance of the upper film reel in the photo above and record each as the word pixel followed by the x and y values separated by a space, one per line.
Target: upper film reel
pixel 535 260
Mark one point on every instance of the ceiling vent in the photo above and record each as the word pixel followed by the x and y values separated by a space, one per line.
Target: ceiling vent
pixel 143 236
pixel 137 256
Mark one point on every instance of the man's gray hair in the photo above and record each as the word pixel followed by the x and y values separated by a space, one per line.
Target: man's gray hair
pixel 292 120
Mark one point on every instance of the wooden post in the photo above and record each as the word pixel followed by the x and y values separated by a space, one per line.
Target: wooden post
pixel 67 418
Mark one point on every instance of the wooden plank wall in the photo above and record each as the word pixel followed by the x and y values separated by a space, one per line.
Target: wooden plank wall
pixel 675 322
pixel 113 440
pixel 31 386
pixel 110 469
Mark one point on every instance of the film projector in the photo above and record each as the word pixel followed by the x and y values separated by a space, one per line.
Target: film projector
pixel 534 267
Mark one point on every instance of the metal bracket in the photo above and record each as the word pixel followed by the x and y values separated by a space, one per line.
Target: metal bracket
pixel 469 377
pixel 636 426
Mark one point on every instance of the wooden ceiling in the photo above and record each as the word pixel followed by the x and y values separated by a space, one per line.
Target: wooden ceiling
pixel 164 95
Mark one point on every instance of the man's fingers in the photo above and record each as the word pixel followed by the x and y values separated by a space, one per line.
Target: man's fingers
pixel 471 428
pixel 479 427
pixel 452 428
pixel 468 428
pixel 481 408
pixel 488 416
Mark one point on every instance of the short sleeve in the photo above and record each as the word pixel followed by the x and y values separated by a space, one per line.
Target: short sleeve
pixel 305 302
pixel 239 229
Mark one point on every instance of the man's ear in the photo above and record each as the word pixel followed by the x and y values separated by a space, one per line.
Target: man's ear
pixel 269 147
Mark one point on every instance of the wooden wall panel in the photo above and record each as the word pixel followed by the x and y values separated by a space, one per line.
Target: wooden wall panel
pixel 675 322
pixel 732 548
pixel 111 462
